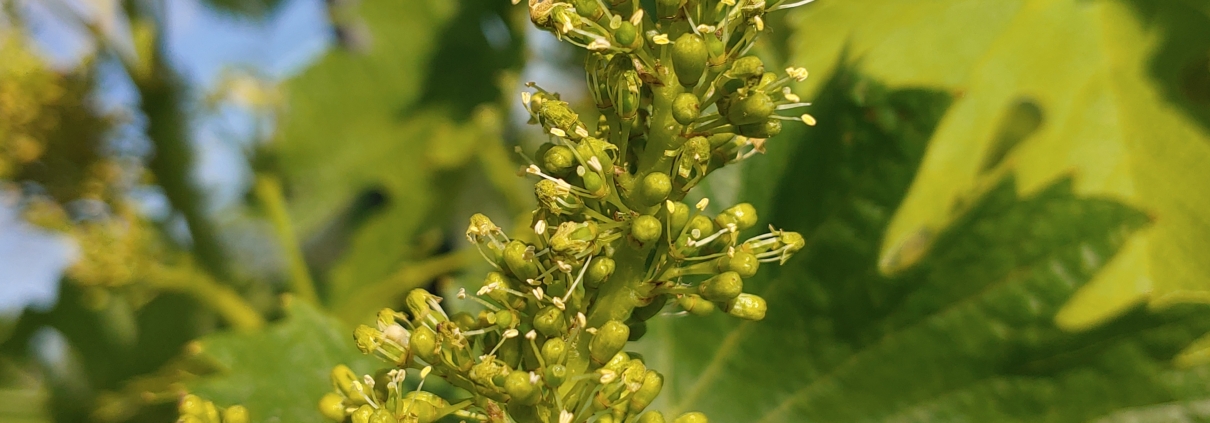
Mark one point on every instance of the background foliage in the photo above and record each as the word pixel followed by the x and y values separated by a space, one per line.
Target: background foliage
pixel 1005 206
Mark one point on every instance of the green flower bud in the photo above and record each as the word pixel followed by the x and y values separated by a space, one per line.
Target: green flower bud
pixel 424 343
pixel 235 414
pixel 588 8
pixel 695 304
pixel 367 339
pixel 742 215
pixel 747 307
pixel 519 258
pixel 686 108
pixel 769 129
pixel 495 284
pixel 716 49
pixel 743 263
pixel 646 229
pixel 747 67
pixel 652 417
pixel 192 405
pixel 190 419
pixel 518 386
pixel 677 215
pixel 609 340
pixel 668 9
pixel 700 227
pixel 554 350
pixel 628 36
pixel 342 380
pixel 505 318
pixel 424 407
pixel 689 56
pixel 753 108
pixel 653 382
pixel 618 362
pixel 332 406
pixel 555 375
pixel 362 414
pixel 718 140
pixel 558 160
pixel 465 321
pixel 550 321
pixel 598 271
pixel 420 304
pixel 574 237
pixel 654 188
pixel 608 418
pixel 594 183
pixel 721 288
pixel 692 417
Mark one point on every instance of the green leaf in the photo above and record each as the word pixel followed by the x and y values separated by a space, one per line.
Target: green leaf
pixel 280 373
pixel 1121 91
pixel 385 123
pixel 965 334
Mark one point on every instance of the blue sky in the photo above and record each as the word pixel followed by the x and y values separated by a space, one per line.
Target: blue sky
pixel 202 43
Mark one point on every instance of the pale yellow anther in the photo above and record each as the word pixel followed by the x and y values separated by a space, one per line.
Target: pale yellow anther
pixel 582 131
pixel 701 205
pixel 565 416
pixel 526 96
pixel 668 204
pixel 511 333
pixel 461 293
pixel 808 119
pixel 425 371
pixel 558 302
pixel 558 132
pixel 608 376
pixel 637 18
pixel 760 23
pixel 599 44
pixel 799 74
pixel 531 335
pixel 703 28
pixel 660 39
pixel 595 163
pixel 538 293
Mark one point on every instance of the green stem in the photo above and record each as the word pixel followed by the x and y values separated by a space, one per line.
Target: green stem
pixel 269 191
pixel 222 299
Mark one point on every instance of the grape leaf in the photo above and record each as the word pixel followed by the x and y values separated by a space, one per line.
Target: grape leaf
pixel 965 334
pixel 1120 92
pixel 280 373
pixel 370 146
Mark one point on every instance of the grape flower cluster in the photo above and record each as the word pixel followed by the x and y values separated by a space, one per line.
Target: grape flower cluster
pixel 612 243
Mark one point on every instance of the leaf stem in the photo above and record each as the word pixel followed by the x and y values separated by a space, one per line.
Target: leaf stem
pixel 222 299
pixel 268 190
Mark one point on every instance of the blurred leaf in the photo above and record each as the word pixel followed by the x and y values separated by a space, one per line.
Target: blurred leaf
pixel 967 334
pixel 281 372
pixel 1121 90
pixel 378 124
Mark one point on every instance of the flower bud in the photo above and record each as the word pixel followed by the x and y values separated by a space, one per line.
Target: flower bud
pixel 742 215
pixel 756 107
pixel 235 414
pixel 520 260
pixel 550 321
pixel 494 287
pixel 424 343
pixel 362 414
pixel 653 382
pixel 686 108
pixel 695 304
pixel 558 160
pixel 342 380
pixel 692 417
pixel 518 386
pixel 192 405
pixel 505 318
pixel 588 8
pixel 700 227
pixel 689 58
pixel 553 350
pixel 618 362
pixel 747 307
pixel 676 214
pixel 465 321
pixel 722 287
pixel 367 339
pixel 420 304
pixel 743 263
pixel 769 129
pixel 654 188
pixel 555 375
pixel 598 271
pixel 425 407
pixel 747 67
pixel 646 229
pixel 652 417
pixel 627 35
pixel 608 341
pixel 332 406
pixel 716 49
